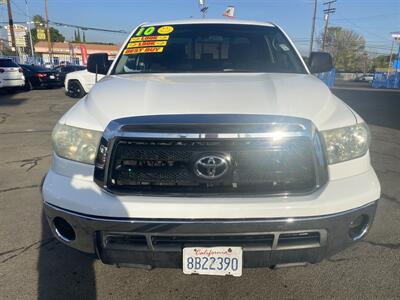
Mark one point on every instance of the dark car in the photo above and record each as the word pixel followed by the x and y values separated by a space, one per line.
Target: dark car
pixel 39 77
pixel 64 70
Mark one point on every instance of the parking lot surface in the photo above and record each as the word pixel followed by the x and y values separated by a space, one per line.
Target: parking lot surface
pixel 34 265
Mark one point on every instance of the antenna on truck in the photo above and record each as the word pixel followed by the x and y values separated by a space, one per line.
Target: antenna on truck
pixel 203 8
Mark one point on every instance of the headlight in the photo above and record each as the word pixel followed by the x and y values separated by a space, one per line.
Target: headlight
pixel 76 143
pixel 346 143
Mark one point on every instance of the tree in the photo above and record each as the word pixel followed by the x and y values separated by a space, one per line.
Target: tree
pixel 55 35
pixel 347 49
pixel 382 61
pixel 77 36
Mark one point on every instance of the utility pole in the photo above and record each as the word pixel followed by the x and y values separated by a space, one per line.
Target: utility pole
pixel 390 58
pixel 328 11
pixel 11 26
pixel 48 32
pixel 28 21
pixel 313 27
pixel 203 8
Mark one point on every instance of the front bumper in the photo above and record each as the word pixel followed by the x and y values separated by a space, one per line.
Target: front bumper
pixel 159 242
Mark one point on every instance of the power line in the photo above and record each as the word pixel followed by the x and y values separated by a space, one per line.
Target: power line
pixel 359 27
pixel 87 27
pixel 68 25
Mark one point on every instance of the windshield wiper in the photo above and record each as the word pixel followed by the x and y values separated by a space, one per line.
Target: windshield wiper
pixel 242 70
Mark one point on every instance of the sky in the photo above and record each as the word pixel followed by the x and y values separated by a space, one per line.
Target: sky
pixel 374 19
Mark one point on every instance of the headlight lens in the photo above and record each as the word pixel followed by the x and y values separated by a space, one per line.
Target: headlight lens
pixel 76 143
pixel 346 143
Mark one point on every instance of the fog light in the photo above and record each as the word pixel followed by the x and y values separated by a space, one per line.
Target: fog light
pixel 64 230
pixel 358 227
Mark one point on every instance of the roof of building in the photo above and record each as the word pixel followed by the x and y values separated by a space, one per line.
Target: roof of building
pixel 65 48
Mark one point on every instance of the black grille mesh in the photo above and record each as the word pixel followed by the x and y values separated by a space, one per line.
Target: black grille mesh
pixel 256 166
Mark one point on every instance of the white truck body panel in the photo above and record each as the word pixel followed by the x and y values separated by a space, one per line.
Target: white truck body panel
pixel 83 195
pixel 297 95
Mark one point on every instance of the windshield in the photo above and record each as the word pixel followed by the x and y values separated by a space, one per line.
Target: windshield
pixel 208 48
pixel 8 63
pixel 34 68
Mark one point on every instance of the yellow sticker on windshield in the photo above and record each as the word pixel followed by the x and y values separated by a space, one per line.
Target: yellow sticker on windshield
pixel 147 44
pixel 150 38
pixel 144 50
pixel 165 29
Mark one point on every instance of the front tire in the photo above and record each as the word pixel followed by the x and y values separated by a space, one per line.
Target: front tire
pixel 75 89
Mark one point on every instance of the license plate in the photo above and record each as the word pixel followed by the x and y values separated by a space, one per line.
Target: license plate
pixel 52 77
pixel 213 261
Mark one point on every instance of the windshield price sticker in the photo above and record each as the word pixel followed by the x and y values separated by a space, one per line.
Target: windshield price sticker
pixel 144 50
pixel 150 30
pixel 147 44
pixel 144 38
pixel 150 38
pixel 165 29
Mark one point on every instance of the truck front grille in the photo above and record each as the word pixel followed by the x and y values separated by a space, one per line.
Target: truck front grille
pixel 267 241
pixel 256 166
pixel 148 158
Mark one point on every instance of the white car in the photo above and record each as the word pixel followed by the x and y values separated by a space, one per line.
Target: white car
pixel 209 146
pixel 78 84
pixel 11 74
pixel 366 77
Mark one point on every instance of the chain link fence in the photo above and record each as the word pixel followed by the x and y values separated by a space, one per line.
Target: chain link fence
pixel 386 80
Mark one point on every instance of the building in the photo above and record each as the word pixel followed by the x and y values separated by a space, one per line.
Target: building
pixel 72 52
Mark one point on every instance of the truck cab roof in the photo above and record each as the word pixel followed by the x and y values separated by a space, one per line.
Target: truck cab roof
pixel 209 21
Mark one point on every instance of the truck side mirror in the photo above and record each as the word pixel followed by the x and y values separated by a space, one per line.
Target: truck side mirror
pixel 320 62
pixel 98 63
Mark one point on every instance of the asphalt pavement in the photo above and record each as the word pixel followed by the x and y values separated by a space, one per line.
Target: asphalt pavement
pixel 34 265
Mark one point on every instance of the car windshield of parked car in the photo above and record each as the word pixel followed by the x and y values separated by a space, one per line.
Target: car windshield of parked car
pixel 208 48
pixel 69 69
pixel 36 68
pixel 8 63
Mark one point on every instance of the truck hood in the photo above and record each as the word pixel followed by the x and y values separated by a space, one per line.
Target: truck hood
pixel 297 95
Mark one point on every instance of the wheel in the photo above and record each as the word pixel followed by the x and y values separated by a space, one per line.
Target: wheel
pixel 11 90
pixel 28 85
pixel 75 89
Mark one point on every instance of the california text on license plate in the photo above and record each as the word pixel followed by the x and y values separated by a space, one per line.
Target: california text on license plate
pixel 213 261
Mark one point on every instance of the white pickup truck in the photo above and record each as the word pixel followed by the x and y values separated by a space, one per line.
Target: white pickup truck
pixel 210 146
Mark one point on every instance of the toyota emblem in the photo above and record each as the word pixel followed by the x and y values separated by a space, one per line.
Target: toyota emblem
pixel 211 166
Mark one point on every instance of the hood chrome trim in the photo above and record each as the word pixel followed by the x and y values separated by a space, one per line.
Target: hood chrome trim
pixel 136 126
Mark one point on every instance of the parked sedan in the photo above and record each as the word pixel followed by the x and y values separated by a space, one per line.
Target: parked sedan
pixel 39 77
pixel 365 78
